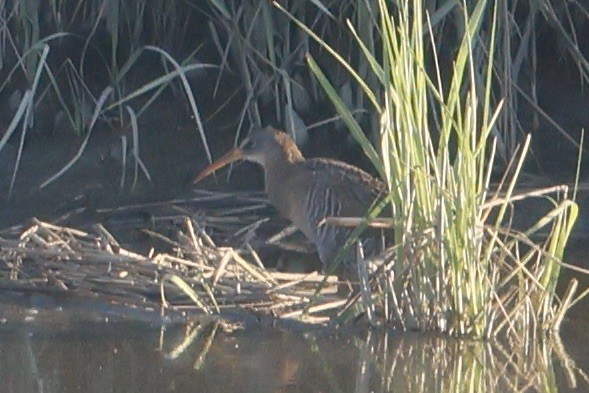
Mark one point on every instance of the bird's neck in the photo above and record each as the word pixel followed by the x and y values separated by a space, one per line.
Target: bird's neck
pixel 279 172
pixel 279 166
pixel 278 183
pixel 276 173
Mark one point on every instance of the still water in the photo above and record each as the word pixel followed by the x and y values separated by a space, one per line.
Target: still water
pixel 58 352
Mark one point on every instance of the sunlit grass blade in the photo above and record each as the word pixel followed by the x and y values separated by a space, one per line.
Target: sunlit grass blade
pixel 347 116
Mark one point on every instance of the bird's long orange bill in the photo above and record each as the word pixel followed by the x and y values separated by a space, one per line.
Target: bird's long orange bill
pixel 228 158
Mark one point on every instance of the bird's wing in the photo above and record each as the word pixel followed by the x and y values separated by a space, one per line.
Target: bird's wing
pixel 336 189
pixel 342 189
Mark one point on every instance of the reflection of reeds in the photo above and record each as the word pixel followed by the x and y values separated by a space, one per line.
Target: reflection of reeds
pixel 391 362
pixel 410 363
pixel 193 334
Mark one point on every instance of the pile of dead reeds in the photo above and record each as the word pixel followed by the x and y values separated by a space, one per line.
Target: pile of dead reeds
pixel 197 276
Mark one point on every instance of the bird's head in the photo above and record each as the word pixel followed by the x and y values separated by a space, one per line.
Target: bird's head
pixel 265 147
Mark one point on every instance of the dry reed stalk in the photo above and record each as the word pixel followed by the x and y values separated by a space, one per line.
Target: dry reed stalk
pixel 199 277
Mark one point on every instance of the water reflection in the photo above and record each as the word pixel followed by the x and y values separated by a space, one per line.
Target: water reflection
pixel 135 357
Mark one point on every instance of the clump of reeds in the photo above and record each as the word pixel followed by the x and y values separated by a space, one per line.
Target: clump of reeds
pixel 458 267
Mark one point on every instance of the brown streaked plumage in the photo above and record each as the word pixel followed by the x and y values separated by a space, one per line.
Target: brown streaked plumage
pixel 307 191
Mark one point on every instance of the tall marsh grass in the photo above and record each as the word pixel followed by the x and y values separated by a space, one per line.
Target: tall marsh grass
pixel 458 266
pixel 91 65
pixel 256 43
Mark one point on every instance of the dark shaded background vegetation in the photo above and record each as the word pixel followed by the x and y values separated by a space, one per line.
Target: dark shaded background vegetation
pixel 89 90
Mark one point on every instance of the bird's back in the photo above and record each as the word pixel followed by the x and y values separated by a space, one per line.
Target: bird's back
pixel 321 188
